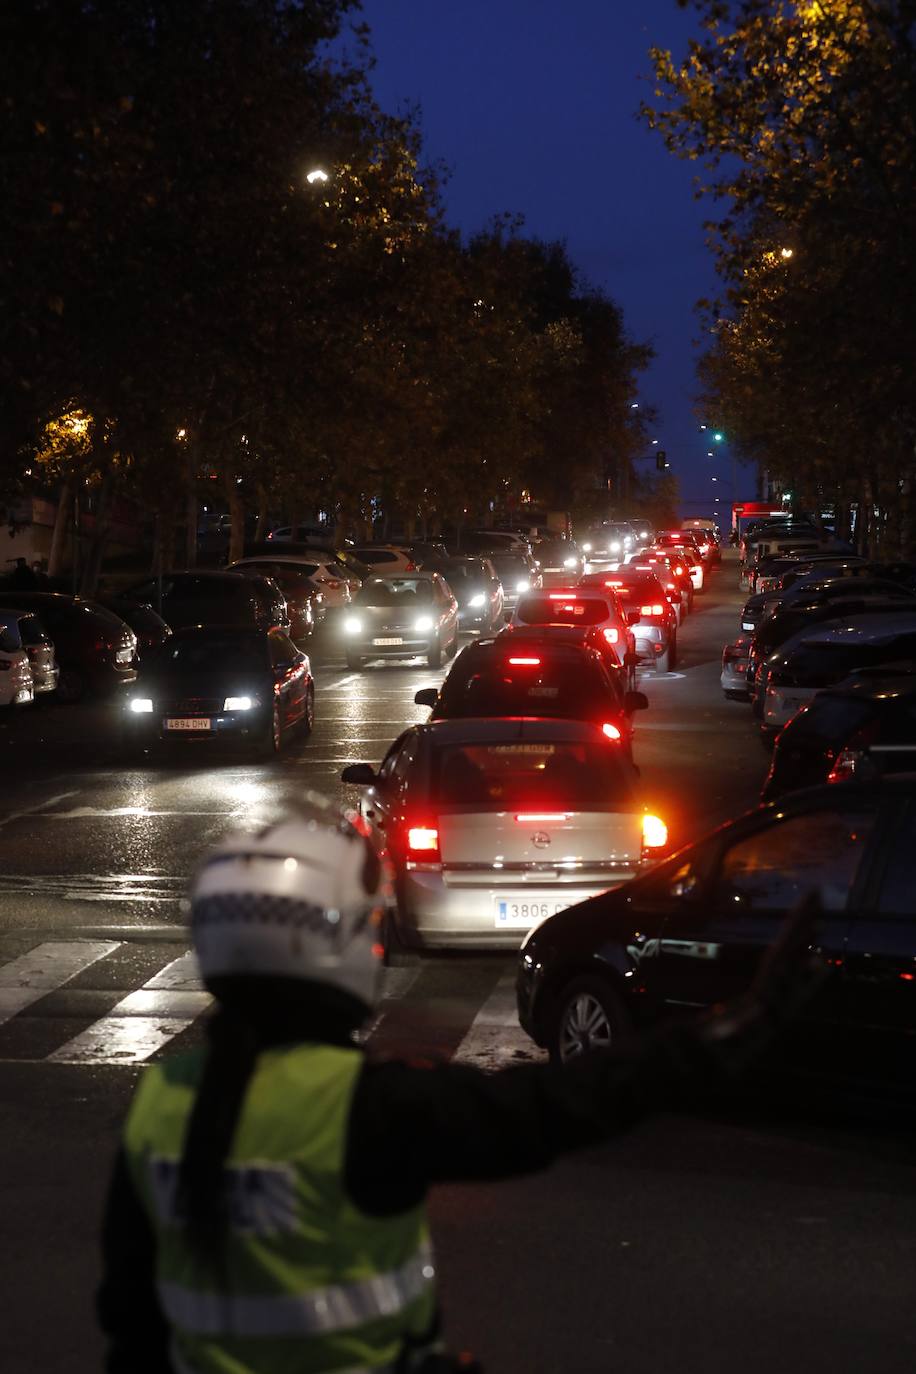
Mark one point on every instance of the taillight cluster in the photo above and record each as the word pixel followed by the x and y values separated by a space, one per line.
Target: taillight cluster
pixel 655 609
pixel 423 844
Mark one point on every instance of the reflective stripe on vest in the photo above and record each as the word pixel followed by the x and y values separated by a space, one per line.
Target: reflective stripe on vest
pixel 319 1312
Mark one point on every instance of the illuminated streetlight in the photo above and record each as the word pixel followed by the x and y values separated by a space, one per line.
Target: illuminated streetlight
pixel 316 174
pixel 786 252
pixel 182 434
pixel 655 441
pixel 718 436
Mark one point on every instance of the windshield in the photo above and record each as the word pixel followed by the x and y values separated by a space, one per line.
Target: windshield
pixel 395 591
pixel 463 574
pixel 829 718
pixel 508 565
pixel 211 655
pixel 574 776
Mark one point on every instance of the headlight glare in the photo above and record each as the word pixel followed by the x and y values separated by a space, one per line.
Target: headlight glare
pixel 615 546
pixel 141 706
pixel 477 600
pixel 238 704
pixel 352 625
pixel 423 623
pixel 523 586
pixel 569 562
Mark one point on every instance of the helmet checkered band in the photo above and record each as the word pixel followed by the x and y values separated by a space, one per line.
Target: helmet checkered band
pixel 259 908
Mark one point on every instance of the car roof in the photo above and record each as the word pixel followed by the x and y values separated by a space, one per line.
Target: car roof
pixel 865 628
pixel 209 574
pixel 8 613
pixel 486 729
pixel 884 685
pixel 418 575
pixel 289 560
pixel 220 632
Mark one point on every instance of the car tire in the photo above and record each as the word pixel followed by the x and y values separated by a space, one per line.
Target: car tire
pixel 589 1016
pixel 453 647
pixel 354 661
pixel 272 740
pixel 71 686
pixel 396 954
pixel 434 656
pixel 308 719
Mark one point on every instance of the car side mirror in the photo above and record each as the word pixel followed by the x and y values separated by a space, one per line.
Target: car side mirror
pixel 632 617
pixel 635 701
pixel 426 696
pixel 361 774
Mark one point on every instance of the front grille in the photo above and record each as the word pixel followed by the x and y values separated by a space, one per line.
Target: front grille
pixel 194 706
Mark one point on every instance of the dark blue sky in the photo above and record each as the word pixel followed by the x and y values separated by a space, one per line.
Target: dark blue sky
pixel 532 103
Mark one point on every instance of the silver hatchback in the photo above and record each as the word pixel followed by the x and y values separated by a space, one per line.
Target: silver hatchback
pixel 490 825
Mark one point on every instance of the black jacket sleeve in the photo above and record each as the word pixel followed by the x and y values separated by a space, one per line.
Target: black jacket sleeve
pixel 412 1126
pixel 128 1311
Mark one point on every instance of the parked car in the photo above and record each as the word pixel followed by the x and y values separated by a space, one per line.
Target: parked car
pixel 469 813
pixel 691 933
pixel 806 579
pixel 22 631
pixel 650 613
pixel 865 726
pixel 336 572
pixel 214 598
pixel 303 586
pixel 220 683
pixel 487 542
pixel 303 534
pixel 853 598
pixel 734 675
pixel 16 685
pixel 151 630
pixel 518 574
pixel 476 588
pixel 402 616
pixel 386 558
pixel 95 650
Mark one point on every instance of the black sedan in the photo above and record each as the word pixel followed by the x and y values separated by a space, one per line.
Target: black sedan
pixel 210 683
pixel 150 629
pixel 477 590
pixel 691 933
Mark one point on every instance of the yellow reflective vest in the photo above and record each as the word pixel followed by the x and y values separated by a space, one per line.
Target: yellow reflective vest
pixel 309 1284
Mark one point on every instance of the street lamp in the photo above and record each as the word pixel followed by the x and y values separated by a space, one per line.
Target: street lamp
pixel 317 174
pixel 786 253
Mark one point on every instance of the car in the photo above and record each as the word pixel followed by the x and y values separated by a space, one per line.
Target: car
pixel 691 932
pixel 609 542
pixel 309 588
pixel 781 570
pixel 518 574
pixel 854 598
pixel 589 636
pixel 597 606
pixel 695 541
pixel 686 553
pixel 476 588
pixel 16 684
pixel 560 560
pixel 490 825
pixel 487 542
pixel 22 631
pixel 427 553
pixel 401 616
pixel 318 534
pixel 825 654
pixel 733 678
pixel 541 672
pixel 151 630
pixel 213 598
pixel 386 558
pixel 96 651
pixel 218 684
pixel 671 573
pixel 864 726
pixel 650 613
pixel 643 529
pixel 762 604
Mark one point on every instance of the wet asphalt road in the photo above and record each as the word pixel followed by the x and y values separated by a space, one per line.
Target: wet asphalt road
pixel 782 1241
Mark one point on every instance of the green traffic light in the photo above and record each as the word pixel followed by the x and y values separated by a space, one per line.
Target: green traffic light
pixel 718 437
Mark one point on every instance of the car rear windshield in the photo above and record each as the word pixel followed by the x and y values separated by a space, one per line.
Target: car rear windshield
pixel 210 655
pixel 397 591
pixel 831 659
pixel 641 589
pixel 571 689
pixel 829 718
pixel 532 775
pixel 284 576
pixel 509 565
pixel 463 572
pixel 546 610
pixel 31 631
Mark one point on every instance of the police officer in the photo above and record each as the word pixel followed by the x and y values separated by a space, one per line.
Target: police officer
pixel 266 1212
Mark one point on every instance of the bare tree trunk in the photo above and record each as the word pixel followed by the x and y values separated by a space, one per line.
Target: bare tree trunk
pixel 261 528
pixel 237 515
pixel 93 565
pixel 190 538
pixel 61 529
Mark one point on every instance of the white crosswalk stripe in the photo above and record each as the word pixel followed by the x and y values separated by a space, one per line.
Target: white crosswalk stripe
pixel 49 966
pixel 495 1038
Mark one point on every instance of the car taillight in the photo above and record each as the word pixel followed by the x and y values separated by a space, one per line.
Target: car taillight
pixel 611 634
pixel 524 662
pixel 411 566
pixel 614 582
pixel 654 832
pixel 845 765
pixel 423 843
pixel 541 817
pixel 610 731
pixel 654 609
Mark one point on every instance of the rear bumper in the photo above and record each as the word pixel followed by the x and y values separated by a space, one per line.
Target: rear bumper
pixel 651 640
pixel 781 703
pixel 733 681
pixel 441 914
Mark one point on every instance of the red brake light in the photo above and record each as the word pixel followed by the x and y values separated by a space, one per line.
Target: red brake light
pixel 524 662
pixel 423 839
pixel 539 817
pixel 654 832
pixel 654 609
pixel 558 596
pixel 610 731
pixel 611 634
pixel 411 566
pixel 614 582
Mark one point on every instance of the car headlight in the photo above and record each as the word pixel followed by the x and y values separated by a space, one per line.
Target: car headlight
pixel 477 601
pixel 423 623
pixel 570 562
pixel 586 548
pixel 141 706
pixel 523 586
pixel 238 704
pixel 352 625
pixel 615 546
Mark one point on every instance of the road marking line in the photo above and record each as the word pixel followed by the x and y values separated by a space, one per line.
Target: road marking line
pixel 30 977
pixel 39 806
pixel 395 984
pixel 143 1021
pixel 495 1038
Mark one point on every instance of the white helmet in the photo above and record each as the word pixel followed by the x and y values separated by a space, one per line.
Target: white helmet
pixel 299 899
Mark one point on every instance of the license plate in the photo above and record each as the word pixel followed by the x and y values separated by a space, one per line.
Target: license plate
pixel 188 723
pixel 524 911
pixel 124 655
pixel 388 641
pixel 747 624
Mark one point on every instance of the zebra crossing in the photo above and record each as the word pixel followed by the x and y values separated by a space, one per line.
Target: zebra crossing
pixel 144 1022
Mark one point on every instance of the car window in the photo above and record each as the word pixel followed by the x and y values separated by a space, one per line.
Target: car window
pixel 31 631
pixel 496 686
pixel 572 610
pixel 534 774
pixel 376 556
pixel 9 640
pixel 400 591
pixel 897 888
pixel 228 655
pixel 282 649
pixel 820 852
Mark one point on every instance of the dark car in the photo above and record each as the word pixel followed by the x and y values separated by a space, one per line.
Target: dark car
pixel 304 600
pixel 476 588
pixel 222 683
pixel 214 598
pixel 151 630
pixel 543 674
pixel 691 933
pixel 866 724
pixel 95 650
pixel 24 630
pixel 401 616
pixel 849 597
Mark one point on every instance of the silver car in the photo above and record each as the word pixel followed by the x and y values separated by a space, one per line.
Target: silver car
pixel 401 616
pixel 489 825
pixel 23 630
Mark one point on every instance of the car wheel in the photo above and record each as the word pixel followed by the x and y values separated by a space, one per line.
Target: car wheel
pixel 589 1017
pixel 396 954
pixel 308 719
pixel 272 741
pixel 71 685
pixel 354 661
pixel 434 657
pixel 453 647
